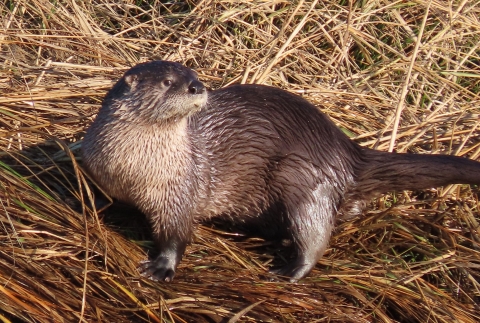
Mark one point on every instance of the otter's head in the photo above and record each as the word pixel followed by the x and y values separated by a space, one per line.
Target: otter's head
pixel 156 91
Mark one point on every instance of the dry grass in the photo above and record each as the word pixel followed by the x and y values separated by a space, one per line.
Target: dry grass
pixel 414 257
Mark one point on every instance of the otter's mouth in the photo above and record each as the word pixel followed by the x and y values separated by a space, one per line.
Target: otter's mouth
pixel 200 100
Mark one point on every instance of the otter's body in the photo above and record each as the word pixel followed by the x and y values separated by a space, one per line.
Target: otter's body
pixel 249 153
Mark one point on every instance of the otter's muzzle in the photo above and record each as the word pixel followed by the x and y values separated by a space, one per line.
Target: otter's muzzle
pixel 196 87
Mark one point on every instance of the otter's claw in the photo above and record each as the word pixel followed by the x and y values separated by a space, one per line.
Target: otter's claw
pixel 160 269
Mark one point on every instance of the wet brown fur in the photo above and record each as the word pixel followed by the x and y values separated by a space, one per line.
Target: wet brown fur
pixel 249 153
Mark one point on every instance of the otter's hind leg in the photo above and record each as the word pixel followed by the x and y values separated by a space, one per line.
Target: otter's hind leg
pixel 311 221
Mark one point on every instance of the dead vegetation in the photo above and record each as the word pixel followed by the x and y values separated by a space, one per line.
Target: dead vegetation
pixel 370 65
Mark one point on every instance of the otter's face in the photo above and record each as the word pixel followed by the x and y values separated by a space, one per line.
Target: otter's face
pixel 156 91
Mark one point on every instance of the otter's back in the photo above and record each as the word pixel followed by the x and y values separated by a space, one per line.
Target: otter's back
pixel 255 140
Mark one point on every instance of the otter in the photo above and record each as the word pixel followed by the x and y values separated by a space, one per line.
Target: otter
pixel 247 153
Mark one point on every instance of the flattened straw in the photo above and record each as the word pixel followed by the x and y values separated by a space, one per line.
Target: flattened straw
pixel 239 315
pixel 468 136
pixel 401 102
pixel 289 40
pixel 42 73
pixel 8 21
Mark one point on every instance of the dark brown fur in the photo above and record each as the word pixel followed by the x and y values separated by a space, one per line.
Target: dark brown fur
pixel 254 152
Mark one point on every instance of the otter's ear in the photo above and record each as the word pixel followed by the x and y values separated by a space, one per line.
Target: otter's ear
pixel 131 80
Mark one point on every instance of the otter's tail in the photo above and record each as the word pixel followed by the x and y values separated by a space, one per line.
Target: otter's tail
pixel 381 171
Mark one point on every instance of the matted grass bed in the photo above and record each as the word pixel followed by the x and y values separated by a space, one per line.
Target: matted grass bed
pixel 412 257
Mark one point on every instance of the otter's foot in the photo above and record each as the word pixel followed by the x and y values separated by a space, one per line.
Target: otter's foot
pixel 160 269
pixel 296 270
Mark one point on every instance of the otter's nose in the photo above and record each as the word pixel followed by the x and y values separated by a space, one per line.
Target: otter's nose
pixel 196 87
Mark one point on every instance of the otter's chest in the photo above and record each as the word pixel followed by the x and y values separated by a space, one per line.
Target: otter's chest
pixel 138 160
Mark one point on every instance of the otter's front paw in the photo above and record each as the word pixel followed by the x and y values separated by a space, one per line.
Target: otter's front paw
pixel 160 269
pixel 296 270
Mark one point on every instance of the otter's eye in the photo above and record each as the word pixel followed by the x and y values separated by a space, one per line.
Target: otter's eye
pixel 167 82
